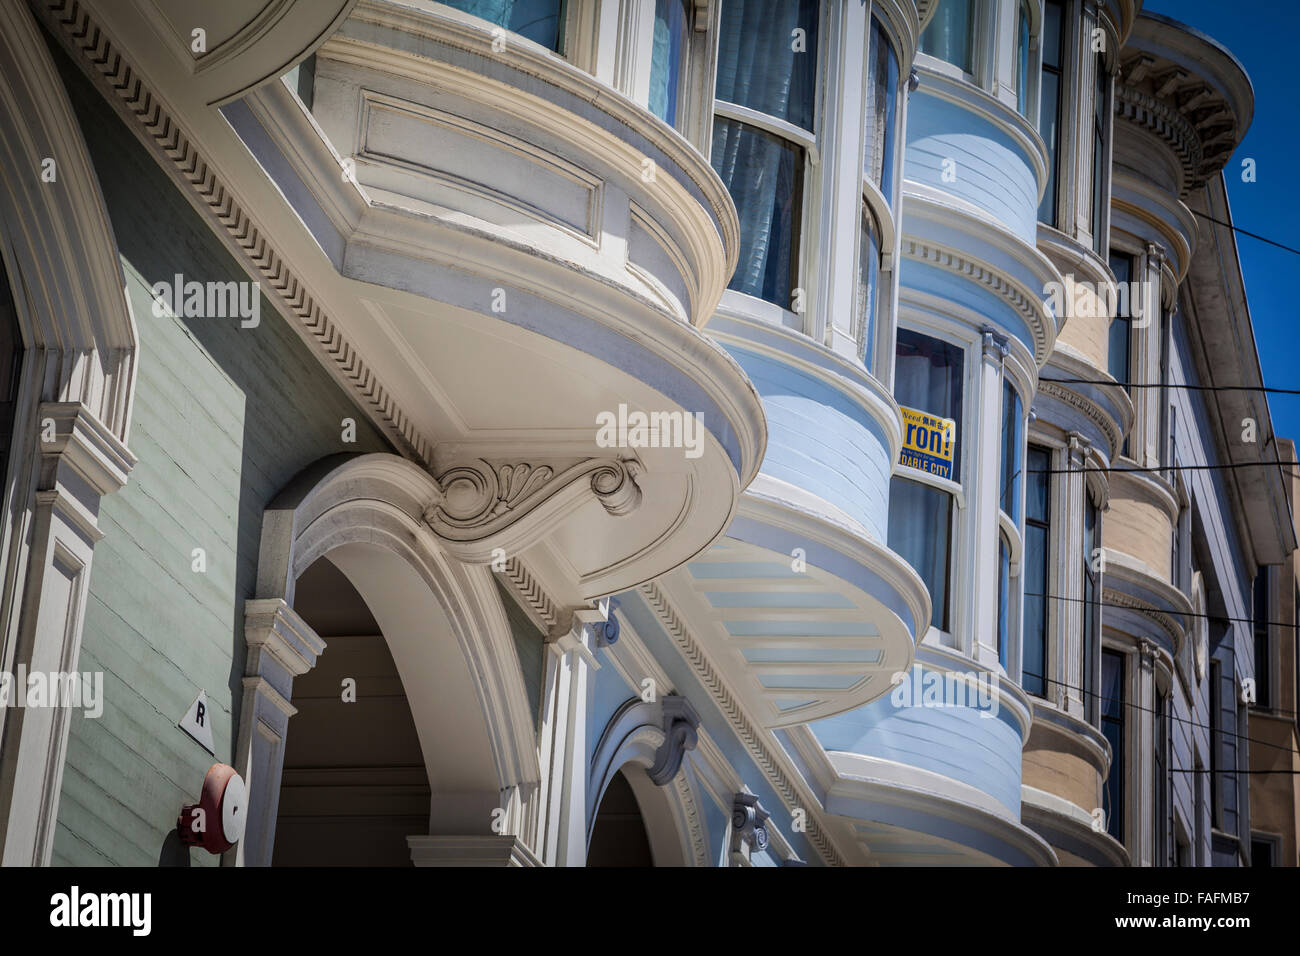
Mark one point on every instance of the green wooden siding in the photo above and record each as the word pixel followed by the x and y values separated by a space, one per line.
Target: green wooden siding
pixel 224 417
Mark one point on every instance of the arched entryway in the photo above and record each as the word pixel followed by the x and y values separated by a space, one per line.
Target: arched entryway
pixel 354 784
pixel 433 627
pixel 619 837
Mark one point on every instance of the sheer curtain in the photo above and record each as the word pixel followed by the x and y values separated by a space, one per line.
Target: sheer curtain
pixel 538 20
pixel 765 66
pixel 666 58
pixel 920 519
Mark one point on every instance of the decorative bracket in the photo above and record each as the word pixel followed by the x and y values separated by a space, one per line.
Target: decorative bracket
pixel 680 723
pixel 510 505
pixel 748 824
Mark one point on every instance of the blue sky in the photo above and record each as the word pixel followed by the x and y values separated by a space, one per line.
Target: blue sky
pixel 1263 37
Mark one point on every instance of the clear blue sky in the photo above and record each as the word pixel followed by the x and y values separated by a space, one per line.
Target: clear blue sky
pixel 1263 36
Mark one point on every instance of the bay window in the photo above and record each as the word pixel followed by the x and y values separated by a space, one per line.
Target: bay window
pixel 762 131
pixel 1012 468
pixel 948 36
pixel 541 21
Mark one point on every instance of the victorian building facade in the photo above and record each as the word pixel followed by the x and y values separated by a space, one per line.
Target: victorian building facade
pixel 688 432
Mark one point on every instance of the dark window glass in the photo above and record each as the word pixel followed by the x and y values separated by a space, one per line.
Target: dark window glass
pixel 948 34
pixel 538 20
pixel 765 176
pixel 1012 443
pixel 1261 853
pixel 920 525
pixel 1049 104
pixel 669 46
pixel 1160 773
pixel 1120 340
pixel 1112 725
pixel 1216 721
pixel 1099 157
pixel 1037 531
pixel 761 62
pixel 882 109
pixel 928 377
pixel 1263 655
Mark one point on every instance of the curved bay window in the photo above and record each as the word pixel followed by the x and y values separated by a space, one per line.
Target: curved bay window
pixel 541 21
pixel 1037 573
pixel 668 58
pixel 928 378
pixel 1119 346
pixel 762 131
pixel 882 111
pixel 948 36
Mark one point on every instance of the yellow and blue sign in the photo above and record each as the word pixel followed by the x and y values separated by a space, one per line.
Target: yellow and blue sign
pixel 928 442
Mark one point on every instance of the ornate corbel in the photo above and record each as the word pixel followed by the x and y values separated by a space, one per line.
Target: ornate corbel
pixel 748 824
pixel 995 345
pixel 680 723
pixel 484 505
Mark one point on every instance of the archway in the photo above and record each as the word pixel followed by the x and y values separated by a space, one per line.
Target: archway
pixel 619 837
pixel 441 622
pixel 354 784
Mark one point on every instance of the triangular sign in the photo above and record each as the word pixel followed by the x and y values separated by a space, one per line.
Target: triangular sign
pixel 197 722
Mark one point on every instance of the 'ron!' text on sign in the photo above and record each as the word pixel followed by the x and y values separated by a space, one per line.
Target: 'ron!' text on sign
pixel 928 442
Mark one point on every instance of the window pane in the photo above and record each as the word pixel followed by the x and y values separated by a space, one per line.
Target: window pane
pixel 1053 20
pixel 1040 462
pixel 1048 116
pixel 1099 197
pixel 948 35
pixel 761 62
pixel 920 520
pixel 882 107
pixel 1037 531
pixel 765 176
pixel 1112 725
pixel 1012 470
pixel 666 58
pixel 538 20
pixel 1034 663
pixel 1022 60
pixel 1004 599
pixel 1049 105
pixel 928 377
pixel 868 282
